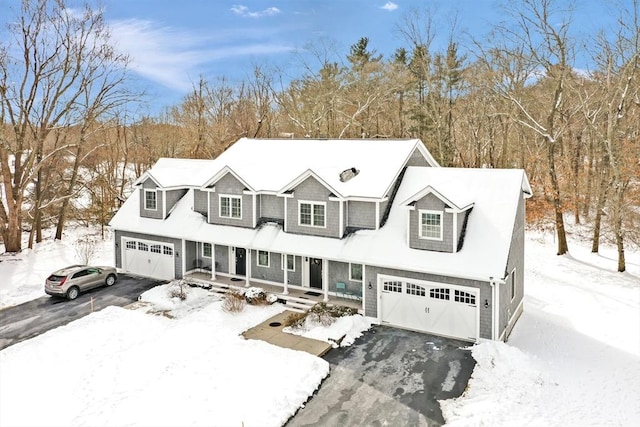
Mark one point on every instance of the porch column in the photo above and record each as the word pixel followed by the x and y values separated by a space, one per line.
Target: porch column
pixel 213 261
pixel 325 279
pixel 286 273
pixel 248 268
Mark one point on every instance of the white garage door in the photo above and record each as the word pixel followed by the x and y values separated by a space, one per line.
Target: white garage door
pixel 148 258
pixel 437 308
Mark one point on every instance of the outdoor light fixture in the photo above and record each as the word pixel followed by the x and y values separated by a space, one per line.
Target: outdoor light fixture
pixel 486 303
pixel 370 287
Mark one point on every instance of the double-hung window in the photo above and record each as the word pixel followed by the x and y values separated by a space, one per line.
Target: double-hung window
pixel 231 207
pixel 431 225
pixel 312 214
pixel 263 258
pixel 206 250
pixel 150 200
pixel 355 272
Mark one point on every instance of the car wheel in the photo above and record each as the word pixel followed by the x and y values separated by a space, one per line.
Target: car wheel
pixel 73 292
pixel 111 279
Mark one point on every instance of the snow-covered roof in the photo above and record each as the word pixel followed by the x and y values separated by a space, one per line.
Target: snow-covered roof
pixel 272 165
pixel 495 194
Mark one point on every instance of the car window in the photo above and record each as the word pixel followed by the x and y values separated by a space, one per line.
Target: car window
pixel 80 273
pixel 92 271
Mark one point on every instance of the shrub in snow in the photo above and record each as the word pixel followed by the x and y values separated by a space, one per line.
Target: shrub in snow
pixel 86 248
pixel 178 290
pixel 325 315
pixel 258 296
pixel 295 320
pixel 234 302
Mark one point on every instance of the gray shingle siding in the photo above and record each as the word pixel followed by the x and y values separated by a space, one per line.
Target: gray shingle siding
pixel 177 247
pixel 200 201
pixel 371 277
pixel 173 196
pixel 271 206
pixel 431 202
pixel 417 159
pixel 516 260
pixel 228 185
pixel 222 258
pixel 310 190
pixel 362 214
pixel 273 273
pixel 157 213
pixel 339 272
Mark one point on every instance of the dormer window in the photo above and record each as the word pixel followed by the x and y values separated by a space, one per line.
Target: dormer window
pixel 430 225
pixel 150 200
pixel 312 214
pixel 231 207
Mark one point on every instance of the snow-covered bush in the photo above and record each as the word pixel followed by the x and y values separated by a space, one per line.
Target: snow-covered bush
pixel 178 289
pixel 258 296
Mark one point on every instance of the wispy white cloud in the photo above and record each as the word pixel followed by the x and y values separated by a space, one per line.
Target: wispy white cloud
pixel 390 6
pixel 174 57
pixel 244 11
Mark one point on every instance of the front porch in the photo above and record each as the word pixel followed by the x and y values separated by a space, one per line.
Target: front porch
pixel 303 295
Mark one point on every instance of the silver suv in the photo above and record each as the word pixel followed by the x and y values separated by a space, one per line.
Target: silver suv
pixel 70 281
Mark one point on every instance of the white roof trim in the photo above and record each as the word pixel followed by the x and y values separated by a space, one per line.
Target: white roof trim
pixel 302 177
pixel 221 173
pixel 430 190
pixel 145 176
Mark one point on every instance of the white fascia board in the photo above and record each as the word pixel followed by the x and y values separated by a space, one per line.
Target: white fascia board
pixel 304 175
pixel 144 177
pixel 221 173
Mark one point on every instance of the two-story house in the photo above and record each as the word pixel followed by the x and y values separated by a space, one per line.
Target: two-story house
pixel 421 247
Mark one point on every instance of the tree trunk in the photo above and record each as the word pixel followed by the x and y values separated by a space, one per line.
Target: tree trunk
pixel 618 200
pixel 602 198
pixel 557 203
pixel 64 207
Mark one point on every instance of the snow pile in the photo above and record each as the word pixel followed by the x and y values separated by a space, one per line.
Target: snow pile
pixel 162 298
pixel 349 327
pixel 193 370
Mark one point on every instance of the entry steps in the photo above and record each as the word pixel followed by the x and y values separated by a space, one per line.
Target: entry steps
pixel 300 305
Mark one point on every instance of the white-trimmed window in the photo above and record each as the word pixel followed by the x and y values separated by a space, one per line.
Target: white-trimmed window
pixel 312 214
pixel 143 247
pixel 167 250
pixel 513 284
pixel 431 225
pixel 156 249
pixel 231 207
pixel 150 200
pixel 291 262
pixel 355 272
pixel 392 286
pixel 206 250
pixel 263 258
pixel 130 244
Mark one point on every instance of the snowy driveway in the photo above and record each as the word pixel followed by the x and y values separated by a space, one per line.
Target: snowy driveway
pixel 32 318
pixel 389 377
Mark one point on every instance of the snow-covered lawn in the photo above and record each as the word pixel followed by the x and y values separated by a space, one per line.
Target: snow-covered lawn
pixel 573 358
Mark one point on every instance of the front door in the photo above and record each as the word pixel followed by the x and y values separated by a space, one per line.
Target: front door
pixel 241 261
pixel 315 273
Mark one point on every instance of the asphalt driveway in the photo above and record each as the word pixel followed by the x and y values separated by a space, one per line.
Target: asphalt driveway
pixel 389 377
pixel 24 321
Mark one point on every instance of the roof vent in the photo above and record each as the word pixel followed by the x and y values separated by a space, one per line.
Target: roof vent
pixel 347 174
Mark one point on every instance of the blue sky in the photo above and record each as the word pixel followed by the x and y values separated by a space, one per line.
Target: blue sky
pixel 173 42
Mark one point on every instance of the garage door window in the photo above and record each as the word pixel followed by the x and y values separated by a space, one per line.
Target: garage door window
pixel 393 286
pixel 130 244
pixel 439 293
pixel 143 246
pixel 167 250
pixel 413 289
pixel 156 249
pixel 464 297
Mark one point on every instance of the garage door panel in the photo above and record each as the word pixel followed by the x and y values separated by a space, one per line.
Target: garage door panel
pixel 148 258
pixel 436 308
